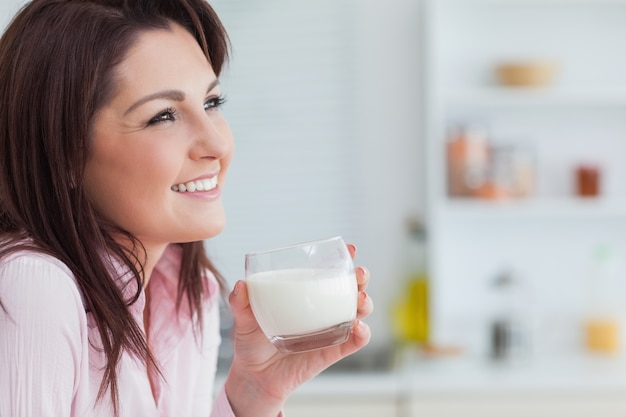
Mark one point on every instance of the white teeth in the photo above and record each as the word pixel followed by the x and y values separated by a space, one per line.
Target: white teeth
pixel 199 185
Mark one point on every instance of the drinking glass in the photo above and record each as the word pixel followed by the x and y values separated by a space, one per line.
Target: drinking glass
pixel 303 296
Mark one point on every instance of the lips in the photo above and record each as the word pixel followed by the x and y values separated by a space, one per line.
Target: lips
pixel 205 184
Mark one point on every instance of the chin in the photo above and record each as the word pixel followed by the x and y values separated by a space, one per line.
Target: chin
pixel 210 231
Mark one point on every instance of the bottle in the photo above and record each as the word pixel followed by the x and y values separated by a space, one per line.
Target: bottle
pixel 511 325
pixel 602 324
pixel 410 314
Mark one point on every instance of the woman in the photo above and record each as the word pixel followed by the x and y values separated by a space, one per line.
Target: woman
pixel 114 155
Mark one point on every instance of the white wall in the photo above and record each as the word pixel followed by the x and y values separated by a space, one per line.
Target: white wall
pixel 8 8
pixel 389 99
pixel 373 104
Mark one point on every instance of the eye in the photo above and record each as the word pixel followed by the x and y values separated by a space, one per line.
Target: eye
pixel 214 103
pixel 167 115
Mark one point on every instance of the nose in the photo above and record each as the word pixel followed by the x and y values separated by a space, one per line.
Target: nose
pixel 213 138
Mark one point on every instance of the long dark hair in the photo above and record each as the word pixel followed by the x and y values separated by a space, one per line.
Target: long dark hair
pixel 57 68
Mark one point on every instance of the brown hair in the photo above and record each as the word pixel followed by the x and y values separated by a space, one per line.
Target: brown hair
pixel 57 69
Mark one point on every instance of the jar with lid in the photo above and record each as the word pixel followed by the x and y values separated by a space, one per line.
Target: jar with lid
pixel 467 154
pixel 603 315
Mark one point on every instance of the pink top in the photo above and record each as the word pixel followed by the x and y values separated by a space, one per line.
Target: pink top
pixel 49 368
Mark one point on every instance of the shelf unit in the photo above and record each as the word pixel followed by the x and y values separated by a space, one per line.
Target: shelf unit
pixel 494 97
pixel 574 208
pixel 549 237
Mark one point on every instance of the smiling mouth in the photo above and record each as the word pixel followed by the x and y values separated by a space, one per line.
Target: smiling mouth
pixel 195 186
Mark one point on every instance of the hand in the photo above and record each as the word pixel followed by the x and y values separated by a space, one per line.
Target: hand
pixel 261 378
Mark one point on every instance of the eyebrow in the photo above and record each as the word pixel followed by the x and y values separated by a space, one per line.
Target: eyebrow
pixel 175 95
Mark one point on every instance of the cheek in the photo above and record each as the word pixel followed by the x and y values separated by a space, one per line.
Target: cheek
pixel 123 183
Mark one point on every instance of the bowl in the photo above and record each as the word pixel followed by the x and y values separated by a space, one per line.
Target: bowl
pixel 526 73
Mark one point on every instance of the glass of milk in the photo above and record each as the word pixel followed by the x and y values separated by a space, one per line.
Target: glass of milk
pixel 303 296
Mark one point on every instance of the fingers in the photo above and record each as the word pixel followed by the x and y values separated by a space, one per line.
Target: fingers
pixel 352 249
pixel 361 334
pixel 362 277
pixel 365 305
pixel 359 338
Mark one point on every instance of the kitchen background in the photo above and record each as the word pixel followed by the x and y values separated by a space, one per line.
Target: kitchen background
pixel 487 200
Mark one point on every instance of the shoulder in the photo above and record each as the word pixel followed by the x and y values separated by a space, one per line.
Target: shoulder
pixel 43 334
pixel 33 283
pixel 30 267
pixel 31 259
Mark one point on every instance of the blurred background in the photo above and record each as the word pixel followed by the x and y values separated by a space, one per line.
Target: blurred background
pixel 474 152
pixel 324 101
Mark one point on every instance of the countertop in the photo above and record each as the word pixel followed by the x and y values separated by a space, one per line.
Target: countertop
pixel 415 376
pixel 412 375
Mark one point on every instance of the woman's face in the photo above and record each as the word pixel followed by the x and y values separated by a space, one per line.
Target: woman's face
pixel 160 148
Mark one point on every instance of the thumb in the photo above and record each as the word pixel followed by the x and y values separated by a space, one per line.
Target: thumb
pixel 240 307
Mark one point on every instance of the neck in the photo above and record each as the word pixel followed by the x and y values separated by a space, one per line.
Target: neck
pixel 153 254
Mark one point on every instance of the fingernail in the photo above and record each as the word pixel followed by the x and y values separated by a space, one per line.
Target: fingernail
pixel 361 275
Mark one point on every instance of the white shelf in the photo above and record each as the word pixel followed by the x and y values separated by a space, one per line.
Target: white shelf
pixel 556 208
pixel 536 97
pixel 548 239
pixel 530 2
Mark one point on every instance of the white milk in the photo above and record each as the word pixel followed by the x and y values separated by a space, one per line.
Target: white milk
pixel 296 301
